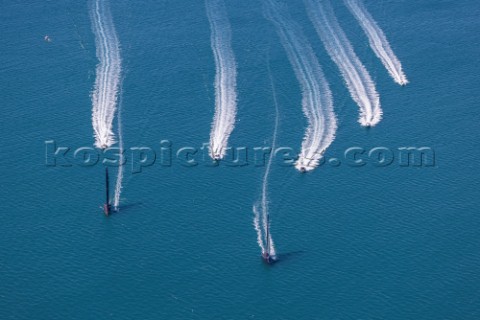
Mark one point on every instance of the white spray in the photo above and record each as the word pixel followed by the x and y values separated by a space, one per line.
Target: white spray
pixel 317 102
pixel 378 41
pixel 358 80
pixel 225 78
pixel 104 96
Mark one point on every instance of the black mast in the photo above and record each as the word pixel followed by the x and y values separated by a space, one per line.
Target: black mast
pixel 106 207
pixel 107 187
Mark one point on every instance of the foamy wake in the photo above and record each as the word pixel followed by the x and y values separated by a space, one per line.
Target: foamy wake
pixel 378 41
pixel 317 102
pixel 104 95
pixel 225 78
pixel 358 80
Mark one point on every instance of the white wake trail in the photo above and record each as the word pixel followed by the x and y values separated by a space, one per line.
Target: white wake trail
pixel 225 78
pixel 258 229
pixel 119 183
pixel 107 82
pixel 264 200
pixel 378 41
pixel 317 102
pixel 358 80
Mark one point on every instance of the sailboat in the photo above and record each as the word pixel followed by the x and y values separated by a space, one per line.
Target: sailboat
pixel 267 258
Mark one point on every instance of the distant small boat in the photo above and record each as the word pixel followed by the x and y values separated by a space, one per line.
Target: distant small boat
pixel 106 209
pixel 47 38
pixel 216 155
pixel 267 258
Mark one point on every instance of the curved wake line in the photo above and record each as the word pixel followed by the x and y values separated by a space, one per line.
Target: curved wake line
pixel 317 102
pixel 358 80
pixel 225 78
pixel 118 184
pixel 264 201
pixel 104 95
pixel 378 41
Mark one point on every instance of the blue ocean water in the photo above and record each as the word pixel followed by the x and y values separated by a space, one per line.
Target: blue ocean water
pixel 355 243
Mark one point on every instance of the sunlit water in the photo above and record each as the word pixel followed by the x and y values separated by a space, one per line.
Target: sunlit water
pixel 354 243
